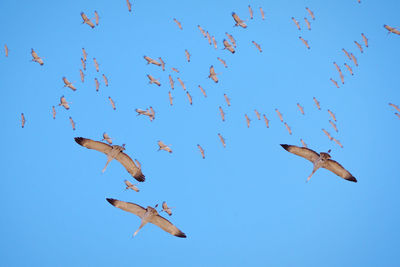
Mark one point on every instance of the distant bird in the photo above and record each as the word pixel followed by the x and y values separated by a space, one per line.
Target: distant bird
pixel 187 55
pixel 262 13
pixel 213 75
pixel 96 64
pixel 311 13
pixel 222 61
pixel 107 138
pixel 327 134
pixel 202 31
pixel 97 84
pixel 6 50
pixel 105 80
pixel 181 83
pixel 201 151
pixel 317 103
pixel 257 114
pixel 247 120
pixel 347 53
pixel 258 46
pixel 266 121
pixel 221 111
pixel 203 91
pixel 333 125
pixel 238 21
pixel 72 123
pixel 208 38
pixel 151 61
pixel 178 23
pixel 349 68
pixel 365 39
pixel 189 97
pixel 230 37
pixel 334 82
pixel 296 23
pixel 300 108
pixel 391 29
pixel 83 64
pixel 64 103
pixel 148 215
pixel 337 142
pixel 23 120
pixel 288 128
pixel 332 115
pixel 129 185
pixel 152 114
pixel 279 114
pixel 214 42
pixel 228 102
pixel 96 15
pixel 153 80
pixel 53 111
pixel 175 69
pixel 354 59
pixel 222 139
pixel 112 103
pixel 171 82
pixel 142 112
pixel 162 63
pixel 308 24
pixel 321 160
pixel 36 58
pixel 305 42
pixel 228 46
pixel 170 98
pixel 87 20
pixel 162 146
pixel 251 12
pixel 129 5
pixel 82 75
pixel 359 46
pixel 395 106
pixel 340 72
pixel 166 208
pixel 84 54
pixel 68 84
pixel 113 152
pixel 303 143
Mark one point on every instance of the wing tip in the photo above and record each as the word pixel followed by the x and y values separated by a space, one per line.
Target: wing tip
pixel 140 177
pixel 79 140
pixel 285 146
pixel 111 201
pixel 180 234
pixel 352 179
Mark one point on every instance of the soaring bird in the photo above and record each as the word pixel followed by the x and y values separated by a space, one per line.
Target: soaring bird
pixel 317 103
pixel 258 115
pixel 162 63
pixel 337 142
pixel 142 112
pixel 365 39
pixel 303 143
pixel 64 103
pixel 228 46
pixel 297 23
pixel 359 46
pixel 321 160
pixel 347 53
pixel 332 115
pixel 203 91
pixel 308 24
pixel 113 152
pixel 288 128
pixel 391 29
pixel 395 106
pixel 182 83
pixel 151 61
pixel 153 80
pixel 213 75
pixel 107 138
pixel 247 120
pixel 305 42
pixel 112 103
pixel 178 23
pixel 266 121
pixel 279 114
pixel 222 113
pixel 230 37
pixel 202 31
pixel 262 13
pixel 334 82
pixel 83 64
pixel 175 69
pixel 166 208
pixel 222 139
pixel 148 215
pixel 36 58
pixel 187 54
pixel 311 13
pixel 354 59
pixel 82 75
pixel 129 185
pixel 349 69
pixel 201 151
pixel 87 20
pixel 300 108
pixel 171 82
pixel 84 54
pixel 340 72
pixel 238 21
pixel 23 120
pixel 162 146
pixel 258 46
pixel 68 84
pixel 251 12
pixel 208 38
pixel 72 123
pixel 105 80
pixel 222 61
pixel 170 98
pixel 333 125
pixel 96 17
pixel 327 134
pixel 214 42
pixel 129 5
pixel 96 64
pixel 189 97
pixel 6 50
pixel 53 111
pixel 228 101
pixel 97 84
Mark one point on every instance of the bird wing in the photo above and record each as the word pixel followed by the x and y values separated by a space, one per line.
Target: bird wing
pixel 338 169
pixel 96 145
pixel 236 17
pixel 166 225
pixel 306 153
pixel 130 166
pixel 128 183
pixel 128 206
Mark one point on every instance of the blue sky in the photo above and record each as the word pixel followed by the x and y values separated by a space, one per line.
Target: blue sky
pixel 246 204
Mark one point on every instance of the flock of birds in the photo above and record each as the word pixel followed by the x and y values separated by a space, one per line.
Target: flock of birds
pixel 150 214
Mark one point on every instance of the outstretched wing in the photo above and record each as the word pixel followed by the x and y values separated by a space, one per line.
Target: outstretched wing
pixel 96 145
pixel 306 153
pixel 166 226
pixel 339 170
pixel 130 166
pixel 128 206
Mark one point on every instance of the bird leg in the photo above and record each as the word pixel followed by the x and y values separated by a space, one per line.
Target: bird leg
pixel 140 227
pixel 109 158
pixel 309 177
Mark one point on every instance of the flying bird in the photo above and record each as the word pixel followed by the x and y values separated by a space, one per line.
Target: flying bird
pixel 105 80
pixel 145 113
pixel 153 80
pixel 151 61
pixel 152 114
pixel 84 54
pixel 203 91
pixel 337 142
pixel 262 13
pixel 391 29
pixel 82 75
pixel 317 103
pixel 171 82
pixel 83 64
pixel 112 103
pixel 333 125
pixel 257 114
pixel 300 108
pixel 334 82
pixel 166 208
pixel 187 55
pixel 308 24
pixel 178 23
pixel 230 37
pixel 365 39
pixel 162 63
pixel 303 143
pixel 222 140
pixel 288 128
pixel 251 12
pixel 201 151
pixel 53 112
pixel 359 46
pixel 238 21
pixel 162 146
pixel 213 75
pixel 349 69
pixel 181 83
pixel 189 97
pixel 170 98
pixel 129 5
pixel 96 64
pixel 23 120
pixel 87 20
pixel 305 42
pixel 347 53
pixel 222 113
pixel 97 84
pixel 64 103
pixel 395 106
pixel 321 160
pixel 214 42
pixel 327 134
pixel 96 16
pixel 247 120
pixel 175 69
pixel 202 31
pixel 297 23
pixel 222 61
pixel 228 101
pixel 228 46
pixel 340 72
pixel 6 50
pixel 36 58
pixel 311 13
pixel 129 185
pixel 354 59
pixel 68 84
pixel 107 138
pixel 113 152
pixel 208 37
pixel 332 115
pixel 72 123
pixel 279 114
pixel 266 121
pixel 258 46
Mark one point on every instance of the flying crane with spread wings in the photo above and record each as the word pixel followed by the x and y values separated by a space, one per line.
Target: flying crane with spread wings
pixel 87 20
pixel 162 146
pixel 238 21
pixel 213 75
pixel 129 185
pixel 68 84
pixel 36 58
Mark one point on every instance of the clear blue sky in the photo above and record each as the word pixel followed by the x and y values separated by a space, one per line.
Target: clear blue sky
pixel 245 205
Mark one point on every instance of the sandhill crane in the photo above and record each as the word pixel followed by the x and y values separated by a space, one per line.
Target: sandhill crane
pixel 311 13
pixel 202 31
pixel 251 12
pixel 262 13
pixel 23 120
pixel 397 114
pixel 96 16
pixel 181 83
pixel 258 46
pixel 228 46
pixel 266 121
pixel 83 64
pixel 105 80
pixel 175 69
pixel 334 82
pixel 6 50
pixel 53 111
pixel 365 39
pixel 247 120
pixel 87 20
pixel 288 128
pixel 189 97
pixel 395 106
pixel 321 160
pixel 303 143
pixel 162 63
pixel 151 61
pixel 222 61
pixel 84 54
pixel 297 23
pixel 305 42
pixel 64 103
pixel 72 123
pixel 341 77
pixel 354 59
pixel 113 152
pixel 68 84
pixel 340 72
pixel 332 115
pixel 178 23
pixel 228 101
pixel 145 113
pixel 162 146
pixel 153 80
pixel 238 21
pixel 391 29
pixel 187 54
pixel 333 125
pixel 279 114
pixel 203 91
pixel 359 46
pixel 147 215
pixel 214 42
pixel 258 115
pixel 349 68
pixel 171 82
pixel 152 114
pixel 96 64
pixel 170 98
pixel 97 84
pixel 347 53
pixel 300 108
pixel 82 75
pixel 208 37
pixel 222 140
pixel 129 185
pixel 107 138
pixel 201 150
pixel 166 208
pixel 36 58
pixel 337 142
pixel 213 75
pixel 308 24
pixel 317 103
pixel 230 37
pixel 129 5
pixel 327 134
pixel 221 111
pixel 112 103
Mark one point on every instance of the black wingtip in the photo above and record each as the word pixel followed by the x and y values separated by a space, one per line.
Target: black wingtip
pixel 180 234
pixel 79 140
pixel 352 179
pixel 140 177
pixel 286 147
pixel 111 201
